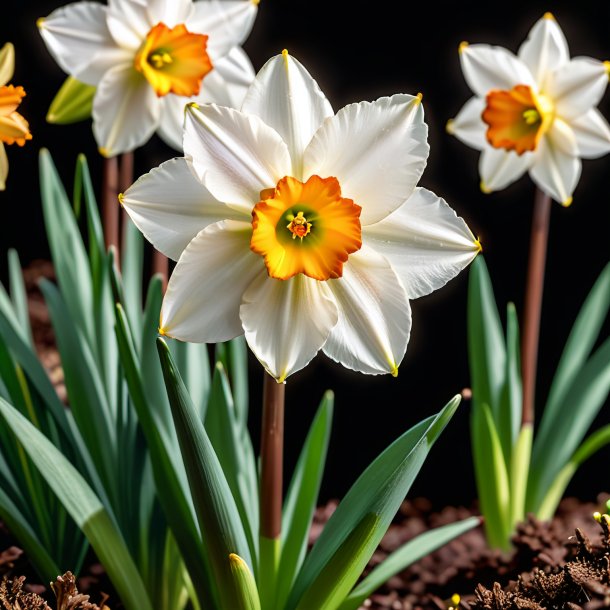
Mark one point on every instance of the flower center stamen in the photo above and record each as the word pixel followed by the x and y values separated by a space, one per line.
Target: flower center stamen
pixel 314 210
pixel 173 60
pixel 517 118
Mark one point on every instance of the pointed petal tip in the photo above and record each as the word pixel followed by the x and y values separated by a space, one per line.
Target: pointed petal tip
pixel 607 66
pixel 418 98
pixel 449 127
pixel 40 23
pixel 394 371
pixel 567 202
pixel 120 197
pixel 255 2
pixel 549 15
pixel 463 46
pixel 105 152
pixel 484 188
pixel 477 245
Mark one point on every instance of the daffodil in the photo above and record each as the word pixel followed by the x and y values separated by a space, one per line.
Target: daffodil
pixel 148 58
pixel 301 228
pixel 533 112
pixel 14 129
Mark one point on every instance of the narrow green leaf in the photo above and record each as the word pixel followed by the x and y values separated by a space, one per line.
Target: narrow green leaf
pixel 84 507
pixel 248 594
pixel 379 490
pixel 302 497
pixel 214 505
pixel 519 474
pixel 406 555
pixel 72 103
pixel 132 265
pixel 18 295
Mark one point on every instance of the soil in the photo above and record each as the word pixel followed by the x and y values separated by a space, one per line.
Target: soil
pixel 430 584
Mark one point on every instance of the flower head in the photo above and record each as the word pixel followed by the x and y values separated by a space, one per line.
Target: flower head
pixel 14 129
pixel 148 58
pixel 534 111
pixel 301 228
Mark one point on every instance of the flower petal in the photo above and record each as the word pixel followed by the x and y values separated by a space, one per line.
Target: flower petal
pixel 170 206
pixel 288 99
pixel 205 290
pixel 287 322
pixel 169 12
pixel 377 151
pixel 171 119
pixel 545 49
pixel 426 242
pixel 128 22
pixel 468 126
pixel 486 67
pixel 226 22
pixel 79 39
pixel 235 155
pixel 125 111
pixel 556 172
pixel 578 86
pixel 7 63
pixel 3 167
pixel 374 324
pixel 498 167
pixel 592 134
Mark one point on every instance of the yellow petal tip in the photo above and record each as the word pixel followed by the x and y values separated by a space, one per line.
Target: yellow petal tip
pixel 104 152
pixel 394 371
pixel 418 98
pixel 607 66
pixel 40 22
pixel 449 127
pixel 484 188
pixel 462 46
pixel 193 105
pixel 121 197
pixel 477 245
pixel 567 202
pixel 549 15
pixel 255 2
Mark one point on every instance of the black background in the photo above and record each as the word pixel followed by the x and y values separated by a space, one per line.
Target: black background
pixel 361 50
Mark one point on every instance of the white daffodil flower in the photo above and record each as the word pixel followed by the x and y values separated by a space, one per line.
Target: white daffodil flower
pixel 533 112
pixel 14 129
pixel 301 228
pixel 148 58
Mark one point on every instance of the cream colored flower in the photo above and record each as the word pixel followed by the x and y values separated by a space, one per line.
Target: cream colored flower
pixel 533 112
pixel 14 129
pixel 302 228
pixel 148 58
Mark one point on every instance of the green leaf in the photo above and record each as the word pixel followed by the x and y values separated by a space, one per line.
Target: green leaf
pixel 214 505
pixel 378 492
pixel 84 507
pixel 248 594
pixel 72 103
pixel 302 497
pixel 404 556
pixel 519 473
pixel 18 295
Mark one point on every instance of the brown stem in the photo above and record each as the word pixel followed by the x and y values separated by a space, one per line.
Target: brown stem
pixel 272 448
pixel 125 181
pixel 160 265
pixel 533 302
pixel 110 202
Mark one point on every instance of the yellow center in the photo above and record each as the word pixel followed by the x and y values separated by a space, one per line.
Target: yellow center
pixel 517 118
pixel 327 225
pixel 173 60
pixel 14 129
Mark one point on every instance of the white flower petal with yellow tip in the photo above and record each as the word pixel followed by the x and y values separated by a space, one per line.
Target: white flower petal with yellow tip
pixel 3 167
pixel 544 50
pixel 170 206
pixel 426 241
pixel 486 67
pixel 205 290
pixel 121 122
pixel 288 99
pixel 536 111
pixel 286 323
pixel 377 151
pixel 174 48
pixel 7 63
pixel 374 324
pixel 592 134
pixel 234 154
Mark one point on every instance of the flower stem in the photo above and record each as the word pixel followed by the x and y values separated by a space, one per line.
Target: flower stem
pixel 110 203
pixel 160 265
pixel 533 302
pixel 125 181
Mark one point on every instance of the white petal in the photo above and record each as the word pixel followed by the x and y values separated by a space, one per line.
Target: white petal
pixel 425 241
pixel 128 22
pixel 7 63
pixel 555 172
pixel 234 154
pixel 125 111
pixel 226 22
pixel 468 126
pixel 228 83
pixel 377 151
pixel 80 41
pixel 374 324
pixel 169 12
pixel 170 206
pixel 578 87
pixel 563 137
pixel 545 49
pixel 171 119
pixel 286 322
pixel 3 167
pixel 592 134
pixel 498 168
pixel 206 287
pixel 486 68
pixel 288 99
